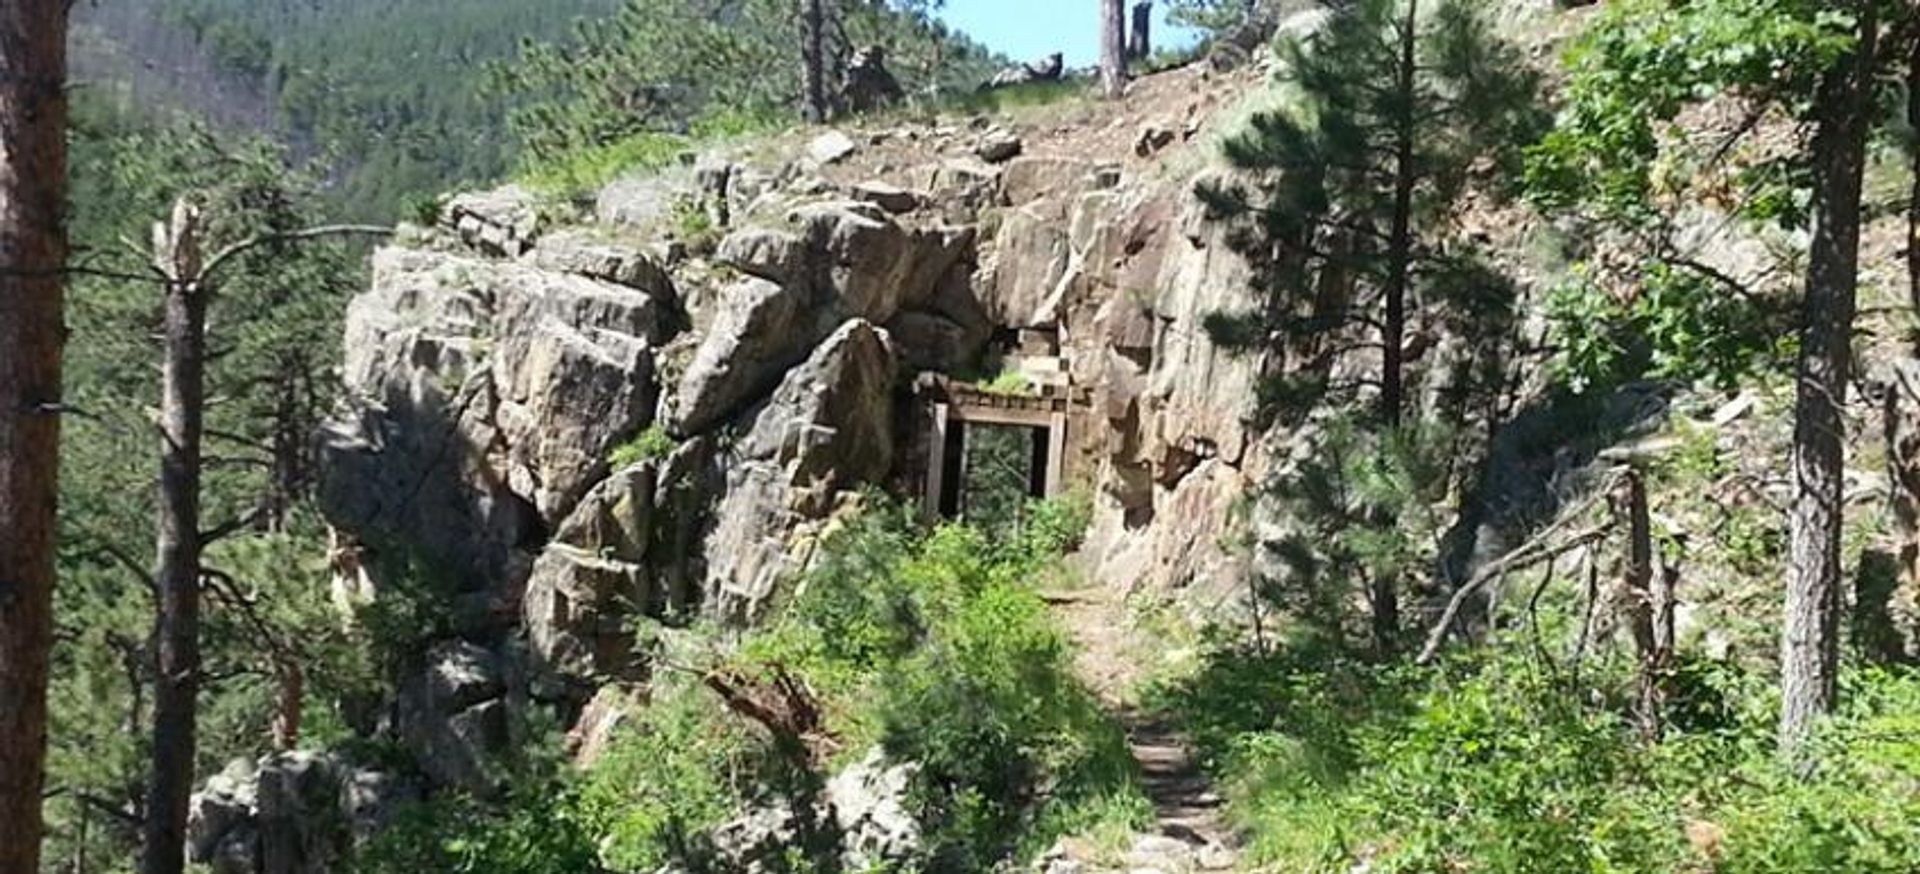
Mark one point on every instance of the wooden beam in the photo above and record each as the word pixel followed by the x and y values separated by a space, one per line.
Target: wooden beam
pixel 1057 455
pixel 937 462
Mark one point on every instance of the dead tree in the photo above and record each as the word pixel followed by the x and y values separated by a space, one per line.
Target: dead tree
pixel 1140 38
pixel 33 256
pixel 813 61
pixel 176 249
pixel 187 279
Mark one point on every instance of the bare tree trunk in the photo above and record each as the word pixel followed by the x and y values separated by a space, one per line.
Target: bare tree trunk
pixel 1400 239
pixel 813 60
pixel 33 255
pixel 1140 39
pixel 177 633
pixel 1809 656
pixel 1913 192
pixel 1113 49
pixel 1647 609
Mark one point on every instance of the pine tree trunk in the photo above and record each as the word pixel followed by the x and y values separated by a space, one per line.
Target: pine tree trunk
pixel 33 254
pixel 1400 240
pixel 1810 643
pixel 1113 48
pixel 177 634
pixel 813 60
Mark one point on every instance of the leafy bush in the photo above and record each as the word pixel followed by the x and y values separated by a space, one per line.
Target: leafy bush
pixel 534 831
pixel 1496 765
pixel 677 773
pixel 937 648
pixel 652 444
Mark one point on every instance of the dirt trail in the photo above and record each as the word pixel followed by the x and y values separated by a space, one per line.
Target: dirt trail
pixel 1112 656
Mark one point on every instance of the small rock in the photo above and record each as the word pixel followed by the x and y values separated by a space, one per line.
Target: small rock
pixel 888 197
pixel 831 147
pixel 998 146
pixel 1152 139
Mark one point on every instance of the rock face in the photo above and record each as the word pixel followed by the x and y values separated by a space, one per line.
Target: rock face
pixel 558 427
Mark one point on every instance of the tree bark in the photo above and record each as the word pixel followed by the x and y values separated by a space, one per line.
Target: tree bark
pixel 1113 49
pixel 1140 39
pixel 813 60
pixel 1809 655
pixel 178 544
pixel 33 254
pixel 1400 239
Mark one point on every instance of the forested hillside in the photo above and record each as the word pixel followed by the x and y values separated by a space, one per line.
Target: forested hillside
pixel 389 92
pixel 783 437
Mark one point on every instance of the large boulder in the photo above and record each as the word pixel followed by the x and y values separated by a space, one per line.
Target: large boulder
pixel 760 329
pixel 592 580
pixel 874 814
pixel 290 813
pixel 454 716
pixel 484 397
pixel 827 429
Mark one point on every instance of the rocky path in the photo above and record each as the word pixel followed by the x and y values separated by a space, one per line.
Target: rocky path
pixel 1189 833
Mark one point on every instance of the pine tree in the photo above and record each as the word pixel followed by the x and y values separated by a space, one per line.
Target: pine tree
pixel 1810 642
pixel 33 254
pixel 1113 48
pixel 1398 107
pixel 1345 223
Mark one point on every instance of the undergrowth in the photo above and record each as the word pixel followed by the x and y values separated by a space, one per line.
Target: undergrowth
pixel 1495 763
pixel 931 645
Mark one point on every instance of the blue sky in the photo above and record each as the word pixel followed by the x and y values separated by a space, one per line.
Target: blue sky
pixel 1028 29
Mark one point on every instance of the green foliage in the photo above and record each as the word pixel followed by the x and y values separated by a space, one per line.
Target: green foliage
pixel 1677 324
pixel 275 325
pixel 679 771
pixel 535 830
pixel 1620 159
pixel 1615 148
pixel 383 90
pixel 1363 507
pixel 937 648
pixel 1371 143
pixel 1493 764
pixel 652 444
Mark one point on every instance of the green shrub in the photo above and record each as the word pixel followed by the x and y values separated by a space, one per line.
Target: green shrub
pixel 1495 765
pixel 533 831
pixel 653 444
pixel 666 780
pixel 936 647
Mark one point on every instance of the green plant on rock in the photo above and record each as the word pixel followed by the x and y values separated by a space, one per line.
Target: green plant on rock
pixel 651 444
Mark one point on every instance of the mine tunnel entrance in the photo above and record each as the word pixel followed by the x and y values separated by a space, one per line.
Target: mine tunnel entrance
pixel 994 470
pixel 988 454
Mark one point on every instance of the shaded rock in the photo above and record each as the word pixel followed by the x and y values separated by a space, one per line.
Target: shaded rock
pixel 928 341
pixel 452 716
pixel 577 607
pixel 891 198
pixel 1151 139
pixel 998 146
pixel 826 429
pixel 290 813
